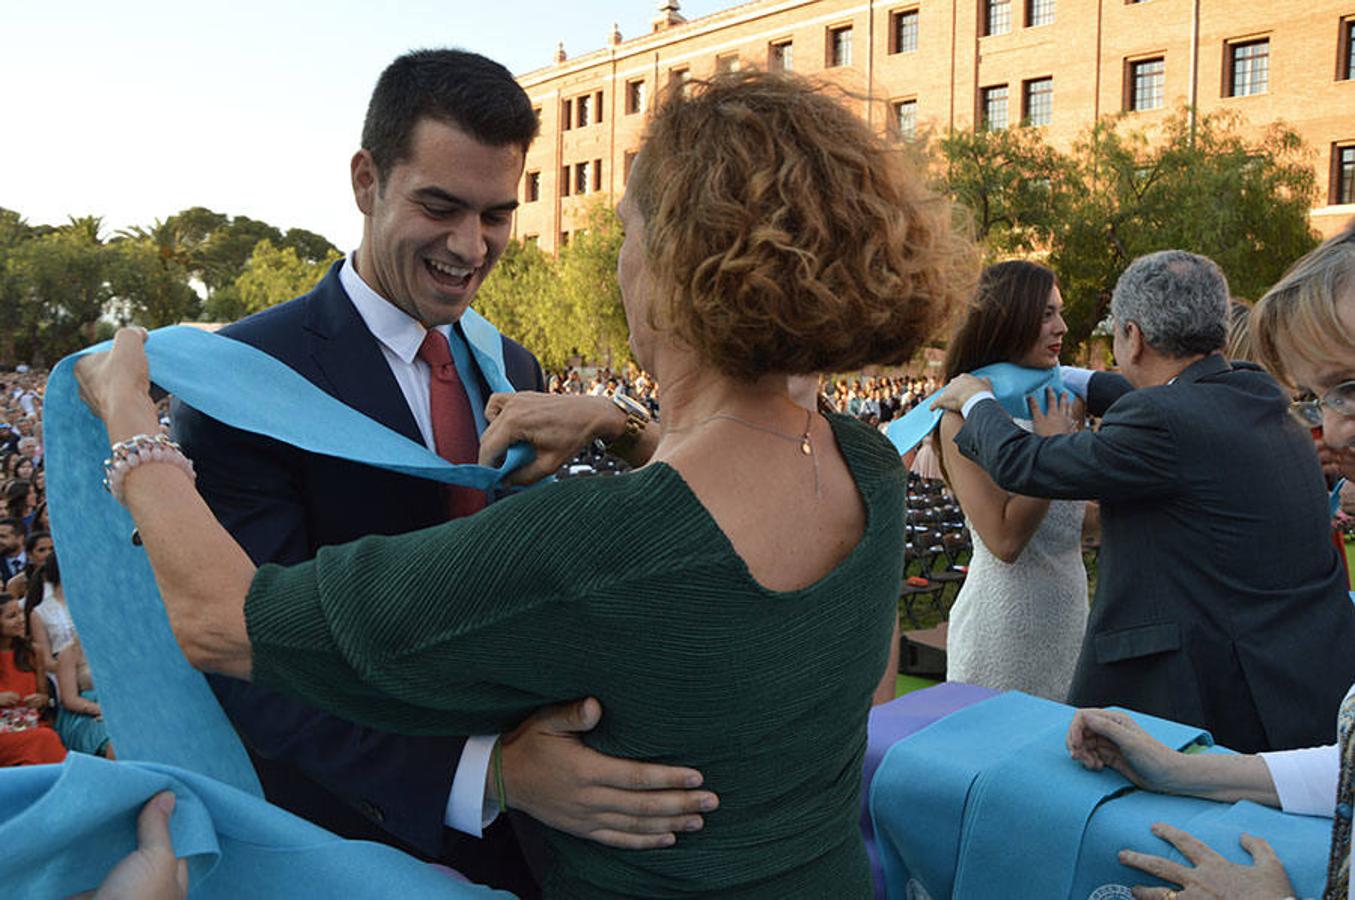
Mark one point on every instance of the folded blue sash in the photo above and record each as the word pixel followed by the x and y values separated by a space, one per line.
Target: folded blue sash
pixel 987 803
pixel 1012 385
pixel 157 708
pixel 65 826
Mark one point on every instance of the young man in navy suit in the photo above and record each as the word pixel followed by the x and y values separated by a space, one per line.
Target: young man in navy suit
pixel 443 148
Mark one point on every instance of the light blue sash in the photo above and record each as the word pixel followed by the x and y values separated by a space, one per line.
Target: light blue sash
pixel 1012 384
pixel 64 827
pixel 158 709
pixel 987 803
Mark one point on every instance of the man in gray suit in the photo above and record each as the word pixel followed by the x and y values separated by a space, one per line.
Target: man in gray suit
pixel 1220 599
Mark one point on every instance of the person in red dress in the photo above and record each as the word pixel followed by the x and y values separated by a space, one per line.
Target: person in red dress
pixel 24 739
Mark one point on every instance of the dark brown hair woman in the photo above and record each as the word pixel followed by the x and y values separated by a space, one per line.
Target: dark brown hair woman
pixel 1018 622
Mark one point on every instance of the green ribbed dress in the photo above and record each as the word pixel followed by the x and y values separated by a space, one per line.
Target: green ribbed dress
pixel 624 589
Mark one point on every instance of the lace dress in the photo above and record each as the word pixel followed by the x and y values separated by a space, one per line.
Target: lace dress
pixel 1019 626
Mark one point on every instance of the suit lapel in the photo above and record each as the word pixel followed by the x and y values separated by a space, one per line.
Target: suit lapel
pixel 351 361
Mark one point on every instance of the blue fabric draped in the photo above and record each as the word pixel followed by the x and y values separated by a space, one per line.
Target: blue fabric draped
pixel 64 827
pixel 157 708
pixel 1012 385
pixel 1004 812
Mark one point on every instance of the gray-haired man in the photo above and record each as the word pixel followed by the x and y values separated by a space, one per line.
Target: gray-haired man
pixel 1220 599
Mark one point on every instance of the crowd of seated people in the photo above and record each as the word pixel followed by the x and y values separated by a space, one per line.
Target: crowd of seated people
pixel 43 648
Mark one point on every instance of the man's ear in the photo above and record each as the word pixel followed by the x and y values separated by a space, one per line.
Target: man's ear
pixel 1134 342
pixel 366 181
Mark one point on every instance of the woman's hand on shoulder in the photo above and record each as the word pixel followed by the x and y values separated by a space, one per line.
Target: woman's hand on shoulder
pixel 1065 414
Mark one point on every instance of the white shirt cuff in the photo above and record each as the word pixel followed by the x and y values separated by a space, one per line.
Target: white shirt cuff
pixel 969 404
pixel 1076 380
pixel 1305 779
pixel 468 810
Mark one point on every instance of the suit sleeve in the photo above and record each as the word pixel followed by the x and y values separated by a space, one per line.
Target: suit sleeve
pixel 1131 457
pixel 252 485
pixel 1103 390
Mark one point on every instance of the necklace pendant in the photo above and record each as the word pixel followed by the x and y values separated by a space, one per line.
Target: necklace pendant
pixel 805 447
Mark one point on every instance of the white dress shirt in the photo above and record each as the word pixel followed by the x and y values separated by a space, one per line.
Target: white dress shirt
pixel 400 337
pixel 1306 779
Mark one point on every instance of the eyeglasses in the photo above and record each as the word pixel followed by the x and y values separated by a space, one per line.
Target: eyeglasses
pixel 1340 400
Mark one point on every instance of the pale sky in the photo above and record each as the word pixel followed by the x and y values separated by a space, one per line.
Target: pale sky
pixel 135 110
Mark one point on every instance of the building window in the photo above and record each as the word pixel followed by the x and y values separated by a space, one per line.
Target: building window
pixel 1037 101
pixel 1145 83
pixel 1249 68
pixel 583 111
pixel 635 97
pixel 564 239
pixel 726 63
pixel 781 56
pixel 840 46
pixel 1039 12
pixel 564 181
pixel 597 175
pixel 533 191
pixel 1343 174
pixel 536 111
pixel 627 160
pixel 995 108
pixel 903 31
pixel 678 80
pixel 581 172
pixel 997 17
pixel 567 115
pixel 531 240
pixel 1346 68
pixel 905 119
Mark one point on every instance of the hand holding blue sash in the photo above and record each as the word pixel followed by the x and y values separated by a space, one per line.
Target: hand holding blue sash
pixel 1012 385
pixel 156 707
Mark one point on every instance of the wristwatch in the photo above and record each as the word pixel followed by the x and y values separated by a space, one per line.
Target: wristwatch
pixel 637 419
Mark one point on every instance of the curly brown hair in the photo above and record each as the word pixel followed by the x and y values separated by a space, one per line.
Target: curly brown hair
pixel 784 235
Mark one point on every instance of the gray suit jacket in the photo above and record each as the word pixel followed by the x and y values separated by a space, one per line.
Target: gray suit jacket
pixel 1220 600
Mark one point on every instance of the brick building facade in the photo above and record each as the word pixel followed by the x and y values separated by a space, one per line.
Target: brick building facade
pixel 917 65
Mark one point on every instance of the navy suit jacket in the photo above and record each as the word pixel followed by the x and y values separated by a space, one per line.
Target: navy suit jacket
pixel 1220 600
pixel 282 504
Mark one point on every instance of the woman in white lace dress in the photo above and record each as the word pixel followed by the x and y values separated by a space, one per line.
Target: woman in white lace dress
pixel 1018 622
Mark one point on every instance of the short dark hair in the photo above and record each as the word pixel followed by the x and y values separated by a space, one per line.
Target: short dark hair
pixel 16 524
pixel 456 87
pixel 1004 318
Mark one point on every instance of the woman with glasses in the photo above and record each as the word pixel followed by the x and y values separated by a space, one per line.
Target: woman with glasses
pixel 1304 332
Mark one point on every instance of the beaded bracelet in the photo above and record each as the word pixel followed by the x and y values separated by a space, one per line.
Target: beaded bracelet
pixel 140 450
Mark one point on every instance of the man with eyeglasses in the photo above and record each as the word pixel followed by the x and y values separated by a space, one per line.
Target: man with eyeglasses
pixel 1220 601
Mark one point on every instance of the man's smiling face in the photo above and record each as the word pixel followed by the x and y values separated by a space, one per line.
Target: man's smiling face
pixel 438 221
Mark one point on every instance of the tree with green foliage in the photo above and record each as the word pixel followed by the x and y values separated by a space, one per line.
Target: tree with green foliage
pixel 1015 186
pixel 522 298
pixel 151 286
pixel 589 290
pixel 13 232
pixel 567 306
pixel 63 284
pixel 1200 186
pixel 275 274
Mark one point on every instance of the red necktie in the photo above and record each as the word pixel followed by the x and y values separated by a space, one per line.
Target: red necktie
pixel 453 421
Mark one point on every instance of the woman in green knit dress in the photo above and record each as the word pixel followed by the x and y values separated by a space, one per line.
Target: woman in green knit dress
pixel 731 602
